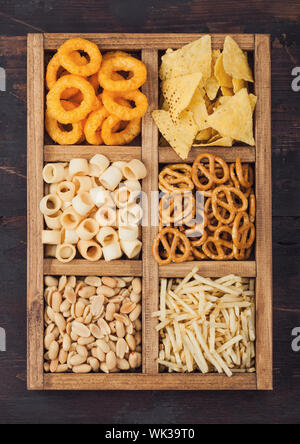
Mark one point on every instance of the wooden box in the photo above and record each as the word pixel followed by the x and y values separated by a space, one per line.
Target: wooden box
pixel 149 46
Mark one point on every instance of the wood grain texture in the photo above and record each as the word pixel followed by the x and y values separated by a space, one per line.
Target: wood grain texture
pixel 264 296
pixel 150 267
pixel 55 153
pixel 247 154
pixel 209 269
pixel 83 268
pixel 35 299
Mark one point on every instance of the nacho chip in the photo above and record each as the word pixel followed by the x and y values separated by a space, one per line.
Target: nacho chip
pixel 178 92
pixel 204 135
pixel 212 85
pixel 227 91
pixel 239 84
pixel 198 108
pixel 217 141
pixel 180 135
pixel 235 61
pixel 253 101
pixel 234 118
pixel 192 58
pixel 221 75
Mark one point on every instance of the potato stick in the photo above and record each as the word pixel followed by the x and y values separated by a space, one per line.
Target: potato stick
pixel 187 279
pixel 202 342
pixel 201 363
pixel 232 323
pixel 162 325
pixel 212 334
pixel 234 304
pixel 218 286
pixel 230 343
pixel 189 359
pixel 198 352
pixel 169 365
pixel 178 335
pixel 225 279
pixel 163 291
pixel 222 364
pixel 182 303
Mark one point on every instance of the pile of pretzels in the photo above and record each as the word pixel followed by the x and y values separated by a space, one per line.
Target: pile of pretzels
pixel 227 231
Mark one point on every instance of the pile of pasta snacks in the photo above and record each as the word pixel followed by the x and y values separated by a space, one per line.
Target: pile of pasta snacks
pixel 207 325
pixel 97 95
pixel 92 208
pixel 92 324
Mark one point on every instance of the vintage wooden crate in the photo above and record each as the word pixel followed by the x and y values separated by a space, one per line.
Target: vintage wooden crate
pixel 149 47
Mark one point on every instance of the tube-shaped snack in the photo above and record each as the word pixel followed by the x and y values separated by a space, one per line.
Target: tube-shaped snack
pixel 65 191
pixel 134 170
pixel 123 196
pixel 50 204
pixel 133 185
pixel 120 165
pixel 79 167
pixel 82 203
pixel 112 252
pixel 98 164
pixel 131 248
pixel 50 250
pixel 82 183
pixel 53 222
pixel 130 233
pixel 70 219
pixel 111 178
pixel 87 229
pixel 65 253
pixel 51 237
pixel 107 217
pixel 68 176
pixel 107 236
pixel 69 237
pixel 130 215
pixel 54 172
pixel 65 205
pixel 101 197
pixel 89 250
pixel 52 188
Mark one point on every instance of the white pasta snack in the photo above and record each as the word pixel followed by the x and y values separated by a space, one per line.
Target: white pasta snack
pixel 130 215
pixel 52 187
pixel 70 219
pixel 69 236
pixel 120 165
pixel 65 191
pixel 129 233
pixel 50 204
pixel 79 167
pixel 107 217
pixel 65 253
pixel 54 172
pixel 82 183
pixel 111 178
pixel 51 237
pixel 87 229
pixel 53 221
pixel 107 236
pixel 134 170
pixel 123 196
pixel 90 250
pixel 101 197
pixel 133 185
pixel 98 164
pixel 112 252
pixel 82 203
pixel 131 248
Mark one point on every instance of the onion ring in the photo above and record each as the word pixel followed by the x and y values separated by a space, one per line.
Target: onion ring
pixel 122 63
pixel 55 108
pixel 79 44
pixel 58 134
pixel 92 128
pixel 127 135
pixel 121 111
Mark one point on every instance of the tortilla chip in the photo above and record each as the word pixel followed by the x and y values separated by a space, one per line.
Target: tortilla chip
pixel 192 58
pixel 204 135
pixel 234 119
pixel 180 135
pixel 219 141
pixel 178 92
pixel 198 108
pixel 212 85
pixel 221 101
pixel 221 75
pixel 253 101
pixel 239 84
pixel 227 91
pixel 235 61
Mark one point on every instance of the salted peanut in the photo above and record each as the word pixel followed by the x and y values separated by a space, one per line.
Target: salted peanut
pixel 66 345
pixel 46 367
pixel 56 332
pixel 120 329
pixel 48 340
pixel 62 357
pixel 109 282
pixel 69 294
pixel 127 279
pixel 98 354
pixel 51 314
pixel 130 329
pixel 51 281
pixel 49 329
pixel 104 368
pixel 74 337
pixel 85 341
pixel 62 368
pixel 105 329
pixel 85 368
pixel 53 351
pixel 97 305
pixel 110 311
pixel 62 283
pixel 105 291
pixel 128 307
pixel 60 322
pixel 96 331
pixel 54 365
pixel 137 285
pixel 94 363
pixel 122 318
pixel 134 297
pixel 78 360
pixel 138 325
pixel 116 300
pixel 56 301
pixel 123 364
pixel 121 348
pixel 135 313
pixel 131 342
pixel 138 338
pixel 103 345
pixel 113 346
pixel 65 306
pixel 134 360
pixel 81 330
pixel 87 292
pixel 111 360
pixel 113 338
pixel 79 309
pixel 139 349
pixel 71 281
pixel 81 350
pixel 93 281
pixel 112 326
pixel 120 283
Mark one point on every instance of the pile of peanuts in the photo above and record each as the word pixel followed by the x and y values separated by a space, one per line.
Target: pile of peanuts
pixel 92 324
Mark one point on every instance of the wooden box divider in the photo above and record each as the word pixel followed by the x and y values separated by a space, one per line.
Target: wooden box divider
pixel 148 150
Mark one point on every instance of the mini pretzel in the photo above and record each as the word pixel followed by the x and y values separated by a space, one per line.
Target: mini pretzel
pixel 213 175
pixel 177 208
pixel 212 223
pixel 170 239
pixel 217 248
pixel 243 232
pixel 172 181
pixel 222 197
pixel 242 175
pixel 252 208
pixel 241 255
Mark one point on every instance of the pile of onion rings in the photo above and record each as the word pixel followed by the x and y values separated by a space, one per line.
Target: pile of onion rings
pixel 94 98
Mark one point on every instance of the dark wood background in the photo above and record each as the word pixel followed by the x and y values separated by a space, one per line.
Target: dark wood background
pixel 279 18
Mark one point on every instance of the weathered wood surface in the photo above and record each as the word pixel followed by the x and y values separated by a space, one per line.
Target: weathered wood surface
pixel 282 22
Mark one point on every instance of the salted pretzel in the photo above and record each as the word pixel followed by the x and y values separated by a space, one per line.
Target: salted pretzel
pixel 205 178
pixel 252 207
pixel 176 179
pixel 241 255
pixel 242 175
pixel 243 232
pixel 177 208
pixel 170 239
pixel 218 248
pixel 223 198
pixel 212 223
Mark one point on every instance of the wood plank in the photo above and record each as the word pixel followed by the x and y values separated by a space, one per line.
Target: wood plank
pixel 150 184
pixel 35 301
pixel 80 267
pixel 247 154
pixel 147 41
pixel 137 381
pixel 55 153
pixel 264 295
pixel 209 269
